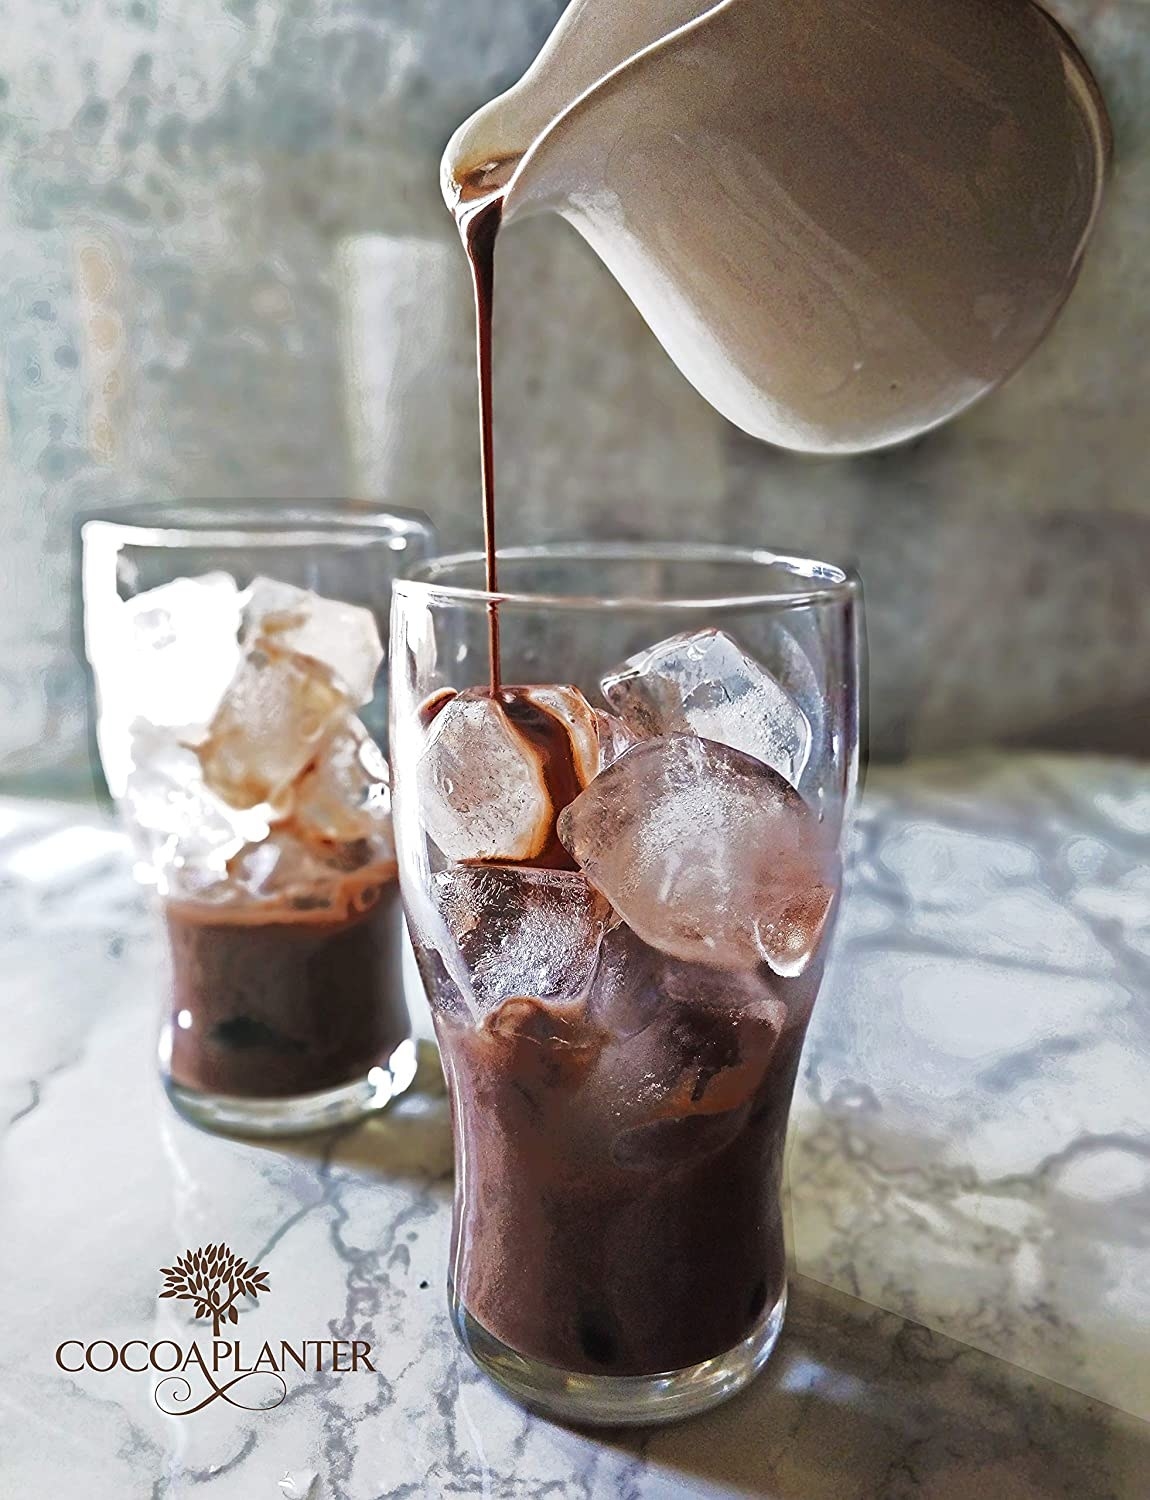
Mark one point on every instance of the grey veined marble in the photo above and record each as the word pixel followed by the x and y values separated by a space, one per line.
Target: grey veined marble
pixel 973 1133
pixel 970 1152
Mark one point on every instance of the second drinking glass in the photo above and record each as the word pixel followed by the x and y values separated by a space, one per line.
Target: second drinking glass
pixel 620 865
pixel 241 721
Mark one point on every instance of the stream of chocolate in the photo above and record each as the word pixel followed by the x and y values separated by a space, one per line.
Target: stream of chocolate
pixel 480 232
pixel 478 214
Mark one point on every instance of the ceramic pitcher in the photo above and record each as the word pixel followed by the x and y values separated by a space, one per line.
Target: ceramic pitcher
pixel 845 220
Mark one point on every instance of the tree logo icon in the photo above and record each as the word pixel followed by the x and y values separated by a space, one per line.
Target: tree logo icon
pixel 213 1277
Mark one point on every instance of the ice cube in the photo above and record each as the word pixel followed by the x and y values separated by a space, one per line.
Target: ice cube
pixel 494 772
pixel 635 985
pixel 703 683
pixel 162 658
pixel 344 791
pixel 707 853
pixel 694 1075
pixel 343 637
pixel 568 705
pixel 522 932
pixel 306 876
pixel 184 833
pixel 548 1048
pixel 687 1050
pixel 615 738
pixel 481 790
pixel 185 648
pixel 277 708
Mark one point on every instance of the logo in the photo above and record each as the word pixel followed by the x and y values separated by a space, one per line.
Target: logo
pixel 220 1286
pixel 206 1276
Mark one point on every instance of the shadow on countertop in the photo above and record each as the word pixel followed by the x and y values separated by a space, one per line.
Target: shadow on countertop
pixel 858 1404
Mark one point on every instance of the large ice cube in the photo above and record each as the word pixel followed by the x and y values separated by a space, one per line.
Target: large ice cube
pixel 703 683
pixel 687 1049
pixel 277 709
pixel 481 790
pixel 494 772
pixel 344 791
pixel 522 933
pixel 707 853
pixel 344 637
pixel 685 1087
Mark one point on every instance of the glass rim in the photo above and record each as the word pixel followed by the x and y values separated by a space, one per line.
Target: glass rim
pixel 231 523
pixel 827 582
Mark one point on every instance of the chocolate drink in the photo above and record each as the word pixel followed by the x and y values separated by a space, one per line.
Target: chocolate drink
pixel 620 1209
pixel 269 1001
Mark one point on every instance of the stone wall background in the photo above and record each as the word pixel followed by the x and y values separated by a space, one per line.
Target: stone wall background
pixel 226 272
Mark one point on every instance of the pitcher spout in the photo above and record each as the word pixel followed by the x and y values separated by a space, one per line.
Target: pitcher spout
pixel 593 39
pixel 481 157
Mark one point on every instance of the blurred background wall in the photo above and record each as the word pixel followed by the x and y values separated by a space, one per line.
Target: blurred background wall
pixel 226 271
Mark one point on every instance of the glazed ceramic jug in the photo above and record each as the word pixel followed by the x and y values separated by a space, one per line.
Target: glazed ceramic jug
pixel 845 220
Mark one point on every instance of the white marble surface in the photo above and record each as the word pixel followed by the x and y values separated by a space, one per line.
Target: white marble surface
pixel 971 1152
pixel 973 1141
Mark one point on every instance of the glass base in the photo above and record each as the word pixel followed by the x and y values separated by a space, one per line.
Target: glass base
pixel 620 1400
pixel 302 1113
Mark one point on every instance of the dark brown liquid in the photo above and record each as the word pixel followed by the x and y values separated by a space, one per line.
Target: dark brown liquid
pixel 481 230
pixel 619 1207
pixel 478 215
pixel 277 1004
pixel 548 738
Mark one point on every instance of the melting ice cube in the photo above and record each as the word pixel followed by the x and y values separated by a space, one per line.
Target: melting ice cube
pixel 636 985
pixel 275 712
pixel 186 834
pixel 615 738
pixel 703 683
pixel 343 637
pixel 494 772
pixel 184 647
pixel 707 853
pixel 308 876
pixel 522 933
pixel 344 792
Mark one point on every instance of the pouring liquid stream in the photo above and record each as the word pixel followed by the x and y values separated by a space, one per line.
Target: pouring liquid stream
pixel 478 214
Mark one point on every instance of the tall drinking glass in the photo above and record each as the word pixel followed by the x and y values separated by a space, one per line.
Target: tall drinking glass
pixel 621 871
pixel 241 720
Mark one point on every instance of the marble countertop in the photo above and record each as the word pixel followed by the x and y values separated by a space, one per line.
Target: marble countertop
pixel 970 1177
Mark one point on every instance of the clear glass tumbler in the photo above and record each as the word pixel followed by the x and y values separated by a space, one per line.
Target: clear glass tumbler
pixel 621 871
pixel 241 716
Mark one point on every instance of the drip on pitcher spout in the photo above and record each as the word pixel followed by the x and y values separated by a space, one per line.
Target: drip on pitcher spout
pixel 474 186
pixel 482 156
